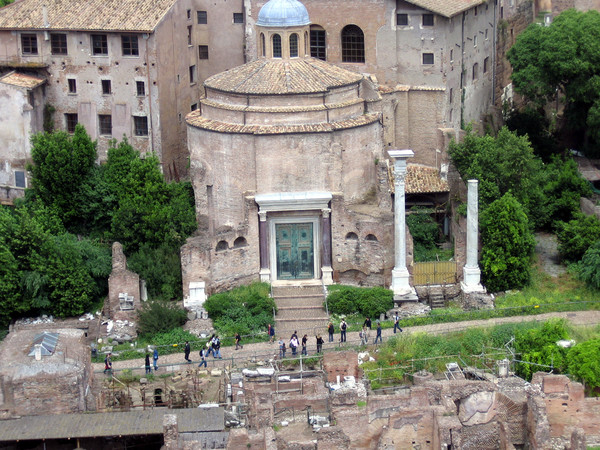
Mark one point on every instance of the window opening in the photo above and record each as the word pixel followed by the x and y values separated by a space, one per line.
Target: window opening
pixel 129 43
pixel 72 82
pixel 20 179
pixel 203 51
pixel 105 124
pixel 140 124
pixel 294 45
pixel 427 20
pixel 428 58
pixel 353 44
pixel 318 46
pixel 70 122
pixel 106 88
pixel 402 20
pixel 202 17
pixel 276 46
pixel 192 74
pixel 140 88
pixel 58 44
pixel 99 44
pixel 262 44
pixel 29 44
pixel 238 17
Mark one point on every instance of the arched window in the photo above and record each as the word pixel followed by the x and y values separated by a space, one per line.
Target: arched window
pixel 276 46
pixel 262 44
pixel 240 242
pixel 294 45
pixel 353 44
pixel 222 245
pixel 318 45
pixel 351 236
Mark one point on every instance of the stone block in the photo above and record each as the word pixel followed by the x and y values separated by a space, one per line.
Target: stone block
pixel 555 384
pixel 216 372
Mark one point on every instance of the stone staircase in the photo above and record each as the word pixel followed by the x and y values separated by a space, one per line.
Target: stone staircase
pixel 299 308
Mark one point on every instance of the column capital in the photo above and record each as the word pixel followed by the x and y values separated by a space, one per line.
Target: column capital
pixel 401 154
pixel 326 212
pixel 262 215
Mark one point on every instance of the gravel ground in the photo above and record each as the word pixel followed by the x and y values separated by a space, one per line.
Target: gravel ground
pixel 547 250
pixel 251 353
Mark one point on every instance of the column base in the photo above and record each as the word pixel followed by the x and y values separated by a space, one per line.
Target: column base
pixel 471 281
pixel 403 291
pixel 265 275
pixel 327 274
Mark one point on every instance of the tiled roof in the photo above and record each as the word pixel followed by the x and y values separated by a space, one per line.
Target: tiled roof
pixel 131 423
pixel 281 109
pixel 92 15
pixel 195 119
pixel 421 180
pixel 22 80
pixel 446 8
pixel 296 76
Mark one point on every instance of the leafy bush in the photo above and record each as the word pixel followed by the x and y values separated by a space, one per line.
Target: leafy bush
pixel 538 346
pixel 245 310
pixel 369 302
pixel 507 244
pixel 576 236
pixel 583 362
pixel 159 316
pixel 589 266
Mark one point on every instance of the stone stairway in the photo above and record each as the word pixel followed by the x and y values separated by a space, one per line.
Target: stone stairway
pixel 299 308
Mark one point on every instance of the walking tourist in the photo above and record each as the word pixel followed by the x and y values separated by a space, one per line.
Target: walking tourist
pixel 330 330
pixel 319 343
pixel 304 339
pixel 108 364
pixel 238 340
pixel 202 358
pixel 343 326
pixel 378 336
pixel 155 358
pixel 187 350
pixel 148 366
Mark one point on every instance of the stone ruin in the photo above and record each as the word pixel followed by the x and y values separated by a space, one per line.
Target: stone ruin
pixel 125 295
pixel 503 413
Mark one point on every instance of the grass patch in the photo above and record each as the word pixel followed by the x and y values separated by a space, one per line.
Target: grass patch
pixel 361 403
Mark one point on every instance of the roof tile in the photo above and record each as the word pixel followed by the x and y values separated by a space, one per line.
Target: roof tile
pixel 446 8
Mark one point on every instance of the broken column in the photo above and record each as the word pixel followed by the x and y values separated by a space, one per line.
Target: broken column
pixel 403 291
pixel 471 273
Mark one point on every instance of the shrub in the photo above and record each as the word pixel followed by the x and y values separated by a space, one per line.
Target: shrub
pixel 538 346
pixel 576 236
pixel 159 316
pixel 583 362
pixel 589 266
pixel 369 302
pixel 161 268
pixel 507 244
pixel 245 310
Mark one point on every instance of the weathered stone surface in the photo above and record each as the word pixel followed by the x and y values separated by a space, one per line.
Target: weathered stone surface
pixel 477 408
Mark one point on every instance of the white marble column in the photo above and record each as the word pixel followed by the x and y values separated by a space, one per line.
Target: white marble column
pixel 471 273
pixel 400 276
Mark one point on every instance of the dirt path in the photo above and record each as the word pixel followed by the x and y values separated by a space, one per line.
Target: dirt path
pixel 263 351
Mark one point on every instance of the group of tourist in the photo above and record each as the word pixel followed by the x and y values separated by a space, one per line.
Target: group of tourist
pixel 213 345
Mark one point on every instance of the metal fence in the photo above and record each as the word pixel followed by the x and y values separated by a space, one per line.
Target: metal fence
pixel 434 272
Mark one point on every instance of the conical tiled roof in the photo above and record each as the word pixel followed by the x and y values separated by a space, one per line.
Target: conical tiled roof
pixel 272 77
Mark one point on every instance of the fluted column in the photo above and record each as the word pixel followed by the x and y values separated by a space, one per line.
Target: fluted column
pixel 400 276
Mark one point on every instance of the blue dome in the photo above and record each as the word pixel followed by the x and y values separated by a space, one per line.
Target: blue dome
pixel 283 13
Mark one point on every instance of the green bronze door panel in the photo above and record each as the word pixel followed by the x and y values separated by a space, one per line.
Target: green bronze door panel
pixel 295 252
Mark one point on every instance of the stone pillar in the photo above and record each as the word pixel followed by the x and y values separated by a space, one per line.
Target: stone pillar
pixel 265 272
pixel 403 291
pixel 170 432
pixel 471 273
pixel 326 268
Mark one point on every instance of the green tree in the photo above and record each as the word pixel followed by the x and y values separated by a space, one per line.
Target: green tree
pixel 502 164
pixel 562 59
pixel 584 363
pixel 148 210
pixel 589 266
pixel 564 188
pixel 161 268
pixel 61 164
pixel 507 244
pixel 576 236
